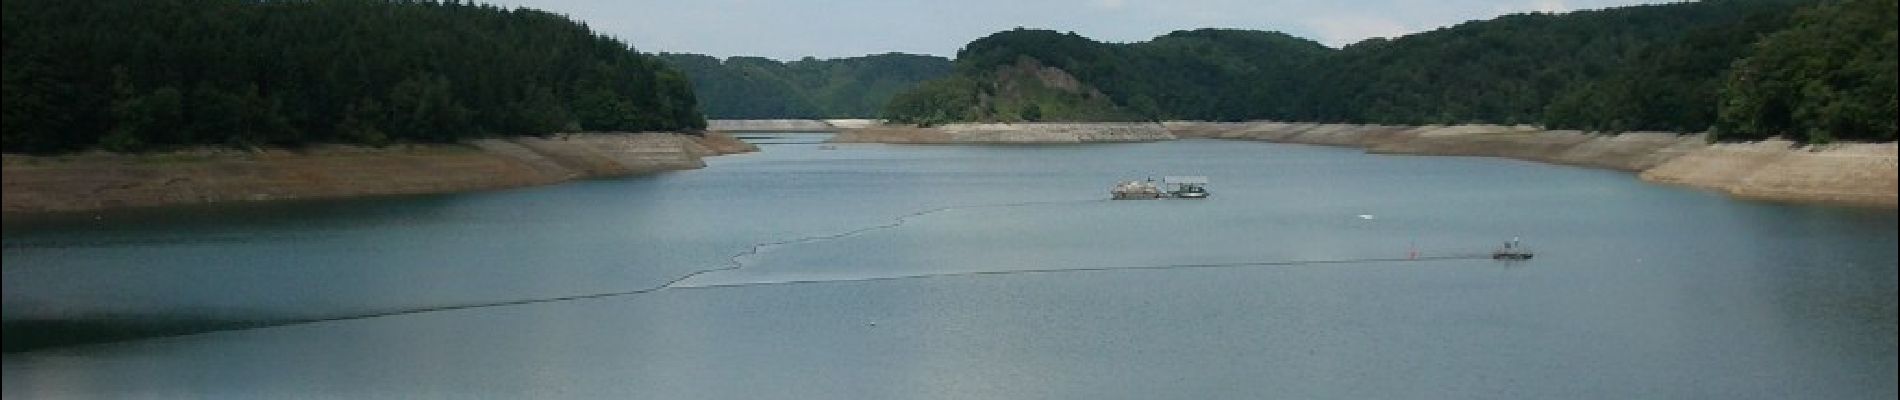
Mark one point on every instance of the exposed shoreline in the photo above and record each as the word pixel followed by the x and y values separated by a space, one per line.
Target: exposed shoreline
pixel 1856 174
pixel 1019 133
pixel 1860 174
pixel 98 180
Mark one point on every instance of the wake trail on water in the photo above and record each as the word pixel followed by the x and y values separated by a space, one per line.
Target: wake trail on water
pixel 1082 269
pixel 738 261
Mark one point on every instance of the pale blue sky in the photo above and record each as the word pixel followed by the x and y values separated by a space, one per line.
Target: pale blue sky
pixel 844 28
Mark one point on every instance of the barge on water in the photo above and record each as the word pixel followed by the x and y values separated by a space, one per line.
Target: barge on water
pixel 1512 251
pixel 1178 187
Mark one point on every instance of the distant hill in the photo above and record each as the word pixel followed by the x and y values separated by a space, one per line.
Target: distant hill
pixel 1652 67
pixel 136 74
pixel 1639 67
pixel 1027 74
pixel 760 88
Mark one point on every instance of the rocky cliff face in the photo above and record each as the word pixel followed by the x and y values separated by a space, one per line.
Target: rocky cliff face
pixel 103 180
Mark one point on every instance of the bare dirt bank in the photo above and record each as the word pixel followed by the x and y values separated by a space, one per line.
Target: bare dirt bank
pixel 1858 174
pixel 1021 133
pixel 1852 173
pixel 34 184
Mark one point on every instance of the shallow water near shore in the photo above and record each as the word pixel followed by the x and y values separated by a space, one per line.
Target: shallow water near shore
pixel 878 271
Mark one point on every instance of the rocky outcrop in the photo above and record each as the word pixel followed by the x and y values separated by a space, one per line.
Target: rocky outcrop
pixel 1018 133
pixel 769 125
pixel 104 180
pixel 1861 174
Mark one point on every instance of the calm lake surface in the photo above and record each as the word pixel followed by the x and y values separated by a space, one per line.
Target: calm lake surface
pixel 892 282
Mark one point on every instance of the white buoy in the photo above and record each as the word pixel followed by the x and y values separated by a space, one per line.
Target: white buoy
pixel 1365 216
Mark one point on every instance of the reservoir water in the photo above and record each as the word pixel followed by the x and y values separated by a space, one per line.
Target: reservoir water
pixel 878 271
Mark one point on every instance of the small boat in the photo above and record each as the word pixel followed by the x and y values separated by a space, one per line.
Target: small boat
pixel 1187 187
pixel 1512 251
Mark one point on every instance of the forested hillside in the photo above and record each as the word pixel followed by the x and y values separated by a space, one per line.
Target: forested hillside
pixel 1830 76
pixel 1510 70
pixel 760 88
pixel 1743 66
pixel 141 74
pixel 1199 74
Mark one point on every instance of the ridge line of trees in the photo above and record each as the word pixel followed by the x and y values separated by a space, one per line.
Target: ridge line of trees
pixel 130 75
pixel 761 88
pixel 1810 70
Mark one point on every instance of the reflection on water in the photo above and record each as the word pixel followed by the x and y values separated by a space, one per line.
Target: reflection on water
pixel 1637 290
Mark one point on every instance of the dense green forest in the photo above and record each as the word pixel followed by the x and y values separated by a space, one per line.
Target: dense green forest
pixel 1743 67
pixel 142 74
pixel 1511 69
pixel 132 75
pixel 1830 76
pixel 1200 74
pixel 760 88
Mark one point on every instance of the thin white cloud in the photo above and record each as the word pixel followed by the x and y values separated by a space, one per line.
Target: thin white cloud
pixel 789 29
pixel 1545 6
pixel 1551 6
pixel 1341 30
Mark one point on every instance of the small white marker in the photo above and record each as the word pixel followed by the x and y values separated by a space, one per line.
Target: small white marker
pixel 1365 216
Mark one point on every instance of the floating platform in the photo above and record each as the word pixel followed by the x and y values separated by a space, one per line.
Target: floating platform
pixel 1135 190
pixel 1177 187
pixel 1511 251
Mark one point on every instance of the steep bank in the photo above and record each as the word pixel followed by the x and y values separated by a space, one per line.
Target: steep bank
pixel 99 180
pixel 1019 133
pixel 1859 174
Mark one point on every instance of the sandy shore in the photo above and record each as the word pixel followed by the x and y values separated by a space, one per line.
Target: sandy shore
pixel 98 180
pixel 1852 173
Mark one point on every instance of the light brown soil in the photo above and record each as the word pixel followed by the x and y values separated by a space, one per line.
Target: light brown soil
pixel 98 180
pixel 1857 174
